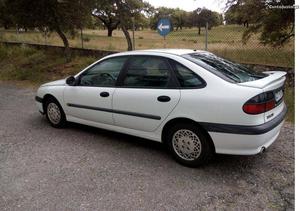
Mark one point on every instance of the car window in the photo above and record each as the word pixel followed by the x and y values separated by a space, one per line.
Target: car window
pixel 225 69
pixel 186 77
pixel 104 73
pixel 147 71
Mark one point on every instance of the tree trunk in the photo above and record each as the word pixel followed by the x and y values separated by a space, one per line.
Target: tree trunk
pixel 109 31
pixel 66 44
pixel 199 30
pixel 111 27
pixel 128 39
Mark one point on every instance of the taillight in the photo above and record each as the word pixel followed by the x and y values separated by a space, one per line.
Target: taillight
pixel 260 103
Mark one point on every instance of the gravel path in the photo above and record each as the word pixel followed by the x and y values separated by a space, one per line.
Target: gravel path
pixel 83 168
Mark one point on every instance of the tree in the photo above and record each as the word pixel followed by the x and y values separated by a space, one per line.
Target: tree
pixel 275 26
pixel 106 12
pixel 5 17
pixel 161 12
pixel 205 16
pixel 120 13
pixel 141 22
pixel 178 18
pixel 60 16
pixel 127 10
pixel 234 15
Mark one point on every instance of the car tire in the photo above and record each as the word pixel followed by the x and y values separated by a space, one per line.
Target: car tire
pixel 54 113
pixel 189 145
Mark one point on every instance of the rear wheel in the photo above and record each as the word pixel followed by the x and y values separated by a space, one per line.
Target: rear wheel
pixel 189 145
pixel 54 113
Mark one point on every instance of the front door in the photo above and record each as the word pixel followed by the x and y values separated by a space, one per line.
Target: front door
pixel 91 98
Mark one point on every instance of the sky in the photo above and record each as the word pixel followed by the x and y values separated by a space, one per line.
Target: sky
pixel 190 5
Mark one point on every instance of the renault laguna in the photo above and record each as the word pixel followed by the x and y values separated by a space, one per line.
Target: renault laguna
pixel 194 101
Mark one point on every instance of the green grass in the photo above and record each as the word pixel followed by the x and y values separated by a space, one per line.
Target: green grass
pixel 225 41
pixel 282 58
pixel 37 66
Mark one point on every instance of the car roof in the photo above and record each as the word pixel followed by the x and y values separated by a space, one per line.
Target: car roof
pixel 178 52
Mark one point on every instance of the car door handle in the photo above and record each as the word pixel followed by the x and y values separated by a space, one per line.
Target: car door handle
pixel 164 99
pixel 104 94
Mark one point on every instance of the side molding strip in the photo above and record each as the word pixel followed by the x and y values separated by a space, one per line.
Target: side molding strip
pixel 148 116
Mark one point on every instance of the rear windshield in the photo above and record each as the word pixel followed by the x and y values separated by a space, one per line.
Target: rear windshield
pixel 225 69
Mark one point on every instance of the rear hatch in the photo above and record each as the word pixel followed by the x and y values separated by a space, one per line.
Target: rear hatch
pixel 273 83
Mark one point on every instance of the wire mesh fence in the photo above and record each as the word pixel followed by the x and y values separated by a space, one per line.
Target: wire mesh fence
pixel 223 40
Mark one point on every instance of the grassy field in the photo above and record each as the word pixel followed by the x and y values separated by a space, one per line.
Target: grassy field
pixel 31 67
pixel 222 40
pixel 35 67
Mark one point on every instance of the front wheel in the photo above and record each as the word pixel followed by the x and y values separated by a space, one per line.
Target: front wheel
pixel 54 113
pixel 189 145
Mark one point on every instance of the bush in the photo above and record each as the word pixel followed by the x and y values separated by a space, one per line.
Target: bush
pixel 37 66
pixel 86 39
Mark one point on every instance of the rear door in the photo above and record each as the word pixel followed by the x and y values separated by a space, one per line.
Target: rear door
pixel 145 97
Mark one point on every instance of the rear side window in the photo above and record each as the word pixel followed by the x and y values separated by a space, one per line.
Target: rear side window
pixel 225 69
pixel 186 77
pixel 147 71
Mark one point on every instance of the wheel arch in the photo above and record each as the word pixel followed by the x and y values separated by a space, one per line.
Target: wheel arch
pixel 47 97
pixel 174 121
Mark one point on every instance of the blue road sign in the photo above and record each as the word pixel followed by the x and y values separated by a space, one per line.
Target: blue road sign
pixel 164 26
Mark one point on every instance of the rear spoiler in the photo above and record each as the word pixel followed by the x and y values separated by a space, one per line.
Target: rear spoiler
pixel 273 76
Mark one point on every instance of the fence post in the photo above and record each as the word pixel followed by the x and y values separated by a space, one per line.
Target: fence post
pixel 17 32
pixel 81 35
pixel 206 34
pixel 133 37
pixel 45 36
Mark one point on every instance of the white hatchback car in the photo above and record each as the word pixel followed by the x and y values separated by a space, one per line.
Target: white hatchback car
pixel 195 102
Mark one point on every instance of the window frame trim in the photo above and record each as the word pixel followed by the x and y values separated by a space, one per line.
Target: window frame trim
pixel 78 78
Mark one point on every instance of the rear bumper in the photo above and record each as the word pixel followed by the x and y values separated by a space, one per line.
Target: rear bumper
pixel 245 140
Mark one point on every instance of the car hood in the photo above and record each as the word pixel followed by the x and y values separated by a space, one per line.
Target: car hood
pixel 61 82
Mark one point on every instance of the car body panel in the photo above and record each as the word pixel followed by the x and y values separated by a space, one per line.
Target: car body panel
pixel 217 104
pixel 86 103
pixel 274 76
pixel 55 91
pixel 61 82
pixel 241 144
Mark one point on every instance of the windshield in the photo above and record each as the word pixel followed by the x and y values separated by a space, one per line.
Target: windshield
pixel 225 69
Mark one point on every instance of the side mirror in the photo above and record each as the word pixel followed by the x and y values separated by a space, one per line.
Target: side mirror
pixel 71 81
